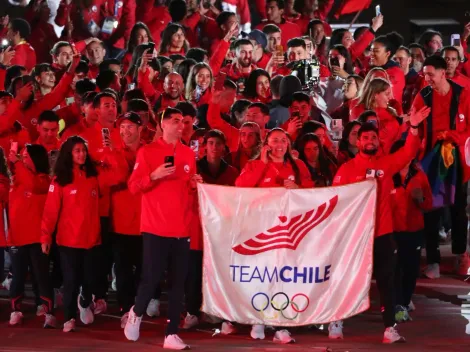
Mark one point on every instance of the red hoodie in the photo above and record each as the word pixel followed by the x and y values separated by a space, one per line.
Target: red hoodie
pixel 27 196
pixel 407 213
pixel 24 56
pixel 166 203
pixel 74 209
pixel 258 174
pixel 385 167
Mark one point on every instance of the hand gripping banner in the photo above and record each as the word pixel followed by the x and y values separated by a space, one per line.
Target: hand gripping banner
pixel 287 257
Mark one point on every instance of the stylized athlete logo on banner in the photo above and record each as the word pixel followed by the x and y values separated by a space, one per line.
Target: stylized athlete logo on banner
pixel 289 235
pixel 287 257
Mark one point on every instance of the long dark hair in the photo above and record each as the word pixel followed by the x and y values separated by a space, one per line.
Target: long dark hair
pixel 184 69
pixel 40 158
pixel 167 33
pixel 136 59
pixel 250 86
pixel 323 169
pixel 337 37
pixel 132 44
pixel 63 170
pixel 344 142
pixel 288 158
pixel 348 65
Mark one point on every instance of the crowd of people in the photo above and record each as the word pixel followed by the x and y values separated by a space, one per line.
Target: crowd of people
pixel 106 130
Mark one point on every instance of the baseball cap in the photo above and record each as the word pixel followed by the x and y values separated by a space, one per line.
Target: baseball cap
pixel 259 37
pixel 130 116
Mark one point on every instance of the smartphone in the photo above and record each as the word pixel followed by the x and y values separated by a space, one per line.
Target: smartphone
pixel 280 50
pixel 296 115
pixel 69 100
pixel 14 147
pixel 337 124
pixel 131 86
pixel 334 61
pixel 105 134
pixel 377 11
pixel 220 81
pixel 240 85
pixel 170 160
pixel 455 40
pixel 5 44
pixel 370 173
pixel 150 47
pixel 206 5
pixel 194 145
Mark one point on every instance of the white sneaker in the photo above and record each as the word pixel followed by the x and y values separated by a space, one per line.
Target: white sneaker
pixel 86 314
pixel 131 330
pixel 432 271
pixel 411 307
pixel 442 234
pixel 124 320
pixel 100 307
pixel 41 310
pixel 391 335
pixel 58 298
pixel 335 330
pixel 69 326
pixel 7 283
pixel 283 336
pixel 113 285
pixel 227 328
pixel 173 342
pixel 190 321
pixel 16 318
pixel 257 332
pixel 50 322
pixel 153 309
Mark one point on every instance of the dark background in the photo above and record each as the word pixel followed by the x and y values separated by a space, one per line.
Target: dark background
pixel 398 13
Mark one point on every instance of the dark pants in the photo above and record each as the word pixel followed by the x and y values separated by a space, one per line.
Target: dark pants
pixel 56 274
pixel 384 270
pixel 127 255
pixel 459 222
pixel 21 257
pixel 79 268
pixel 157 250
pixel 194 283
pixel 408 261
pixel 106 260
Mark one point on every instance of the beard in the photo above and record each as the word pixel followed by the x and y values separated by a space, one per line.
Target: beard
pixel 370 152
pixel 244 63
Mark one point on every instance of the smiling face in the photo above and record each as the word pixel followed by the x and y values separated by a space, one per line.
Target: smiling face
pixel 177 40
pixel 173 127
pixel 173 85
pixel 262 87
pixel 46 79
pixel 64 56
pixel 379 54
pixel 203 78
pixel 279 144
pixel 368 143
pixel 130 132
pixel 79 154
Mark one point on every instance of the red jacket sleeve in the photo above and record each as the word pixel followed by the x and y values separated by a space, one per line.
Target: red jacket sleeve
pixel 305 177
pixel 192 21
pixel 38 183
pixel 63 13
pixel 252 173
pixel 216 122
pixel 397 161
pixel 261 7
pixel 114 169
pixel 51 212
pixel 361 44
pixel 244 11
pixel 139 181
pixel 10 116
pixel 218 57
pixel 143 82
pixel 324 9
pixel 126 22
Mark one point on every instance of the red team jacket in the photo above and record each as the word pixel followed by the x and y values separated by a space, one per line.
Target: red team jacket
pixel 166 203
pixel 385 167
pixel 28 195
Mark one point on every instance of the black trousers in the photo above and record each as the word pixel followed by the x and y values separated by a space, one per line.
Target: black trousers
pixel 193 293
pixel 79 268
pixel 408 262
pixel 459 222
pixel 127 256
pixel 157 250
pixel 106 260
pixel 384 270
pixel 21 257
pixel 56 273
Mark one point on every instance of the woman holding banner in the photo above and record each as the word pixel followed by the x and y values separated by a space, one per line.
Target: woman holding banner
pixel 275 167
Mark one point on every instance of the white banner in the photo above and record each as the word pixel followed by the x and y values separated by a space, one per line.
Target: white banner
pixel 287 257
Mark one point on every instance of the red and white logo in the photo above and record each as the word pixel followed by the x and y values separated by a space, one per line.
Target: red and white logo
pixel 287 234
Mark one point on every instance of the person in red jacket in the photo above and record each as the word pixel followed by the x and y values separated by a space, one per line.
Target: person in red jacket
pixel 274 12
pixel 48 129
pixel 365 165
pixel 382 50
pixel 95 52
pixel 410 197
pixel 165 175
pixel 275 167
pixel 448 122
pixel 452 56
pixel 125 219
pixel 72 208
pixel 213 170
pixel 248 148
pixel 173 41
pixel 239 70
pixel 18 33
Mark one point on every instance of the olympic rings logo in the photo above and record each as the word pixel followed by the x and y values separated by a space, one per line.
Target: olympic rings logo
pixel 279 302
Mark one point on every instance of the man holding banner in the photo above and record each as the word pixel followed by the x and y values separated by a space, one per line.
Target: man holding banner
pixel 367 165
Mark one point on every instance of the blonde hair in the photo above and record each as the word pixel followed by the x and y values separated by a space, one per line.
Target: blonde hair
pixel 376 86
pixel 375 72
pixel 191 80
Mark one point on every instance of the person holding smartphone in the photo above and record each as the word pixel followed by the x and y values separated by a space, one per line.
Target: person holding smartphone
pixel 165 175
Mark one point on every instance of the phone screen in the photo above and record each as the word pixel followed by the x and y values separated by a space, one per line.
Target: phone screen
pixel 456 42
pixel 377 10
pixel 170 160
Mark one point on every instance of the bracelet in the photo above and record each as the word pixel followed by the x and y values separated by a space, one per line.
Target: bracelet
pixel 414 127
